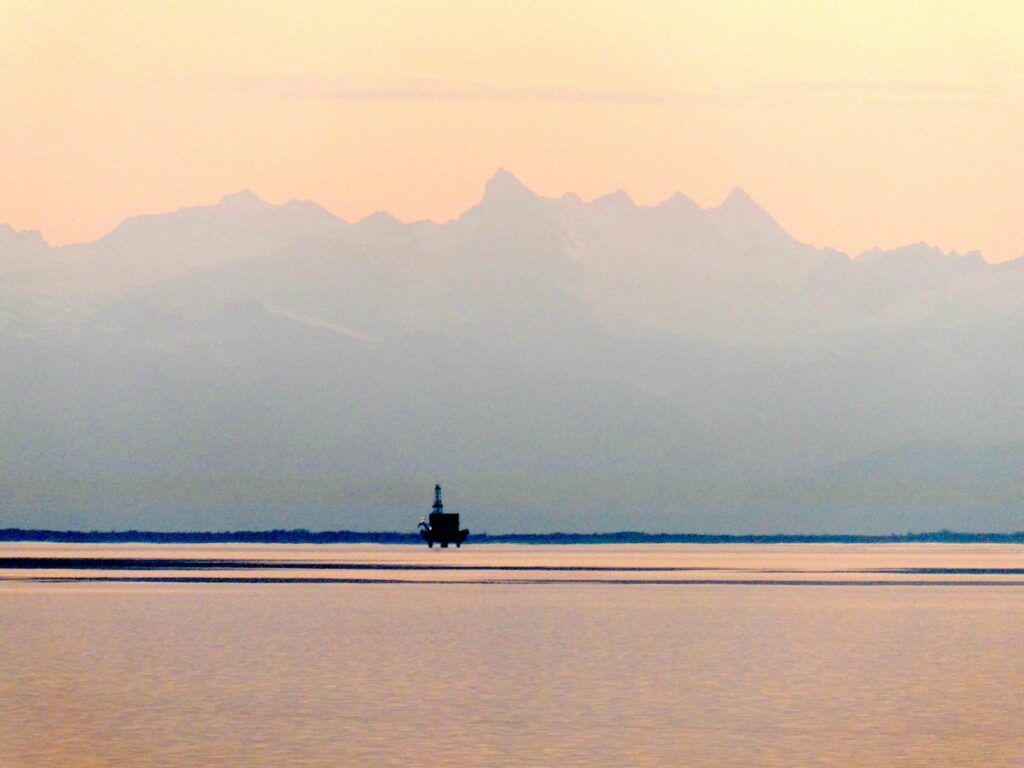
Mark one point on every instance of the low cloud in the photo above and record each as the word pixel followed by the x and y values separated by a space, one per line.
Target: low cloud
pixel 906 91
pixel 429 90
pixel 890 86
pixel 425 90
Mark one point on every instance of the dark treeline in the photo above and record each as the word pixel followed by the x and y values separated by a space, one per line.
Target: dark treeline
pixel 302 536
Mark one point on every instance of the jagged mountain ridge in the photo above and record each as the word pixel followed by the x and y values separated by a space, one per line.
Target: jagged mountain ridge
pixel 568 364
pixel 725 271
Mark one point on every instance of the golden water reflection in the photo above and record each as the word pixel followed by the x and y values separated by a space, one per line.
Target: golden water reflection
pixel 507 674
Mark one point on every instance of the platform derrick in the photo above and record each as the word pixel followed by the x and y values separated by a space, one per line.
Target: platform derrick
pixel 442 527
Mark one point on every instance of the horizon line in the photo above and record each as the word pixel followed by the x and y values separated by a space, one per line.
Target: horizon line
pixel 345 536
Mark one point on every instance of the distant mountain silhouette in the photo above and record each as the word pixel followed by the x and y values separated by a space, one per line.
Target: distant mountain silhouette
pixel 561 364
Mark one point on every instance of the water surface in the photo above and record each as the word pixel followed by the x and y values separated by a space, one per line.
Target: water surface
pixel 698 655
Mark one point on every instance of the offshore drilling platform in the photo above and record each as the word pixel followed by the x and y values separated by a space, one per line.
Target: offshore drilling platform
pixel 442 527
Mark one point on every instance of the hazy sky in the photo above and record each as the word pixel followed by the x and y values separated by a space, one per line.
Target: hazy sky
pixel 855 123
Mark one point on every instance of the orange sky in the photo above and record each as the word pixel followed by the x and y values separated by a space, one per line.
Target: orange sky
pixel 855 123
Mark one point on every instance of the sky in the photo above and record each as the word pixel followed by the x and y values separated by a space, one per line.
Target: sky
pixel 856 124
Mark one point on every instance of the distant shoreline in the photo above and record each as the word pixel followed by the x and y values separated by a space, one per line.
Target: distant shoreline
pixel 301 536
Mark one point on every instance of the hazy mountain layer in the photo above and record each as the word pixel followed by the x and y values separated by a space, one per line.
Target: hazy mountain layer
pixel 557 364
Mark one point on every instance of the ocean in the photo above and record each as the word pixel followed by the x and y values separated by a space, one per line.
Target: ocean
pixel 624 655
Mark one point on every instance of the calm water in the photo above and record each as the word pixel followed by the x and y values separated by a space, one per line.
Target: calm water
pixel 807 655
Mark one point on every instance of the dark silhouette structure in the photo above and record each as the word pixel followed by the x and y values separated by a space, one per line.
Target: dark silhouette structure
pixel 442 527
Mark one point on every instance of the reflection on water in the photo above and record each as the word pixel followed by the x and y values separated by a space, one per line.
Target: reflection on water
pixel 504 664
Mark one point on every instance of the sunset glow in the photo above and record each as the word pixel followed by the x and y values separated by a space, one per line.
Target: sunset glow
pixel 855 124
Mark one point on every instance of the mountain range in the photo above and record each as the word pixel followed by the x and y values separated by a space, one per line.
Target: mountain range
pixel 557 364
